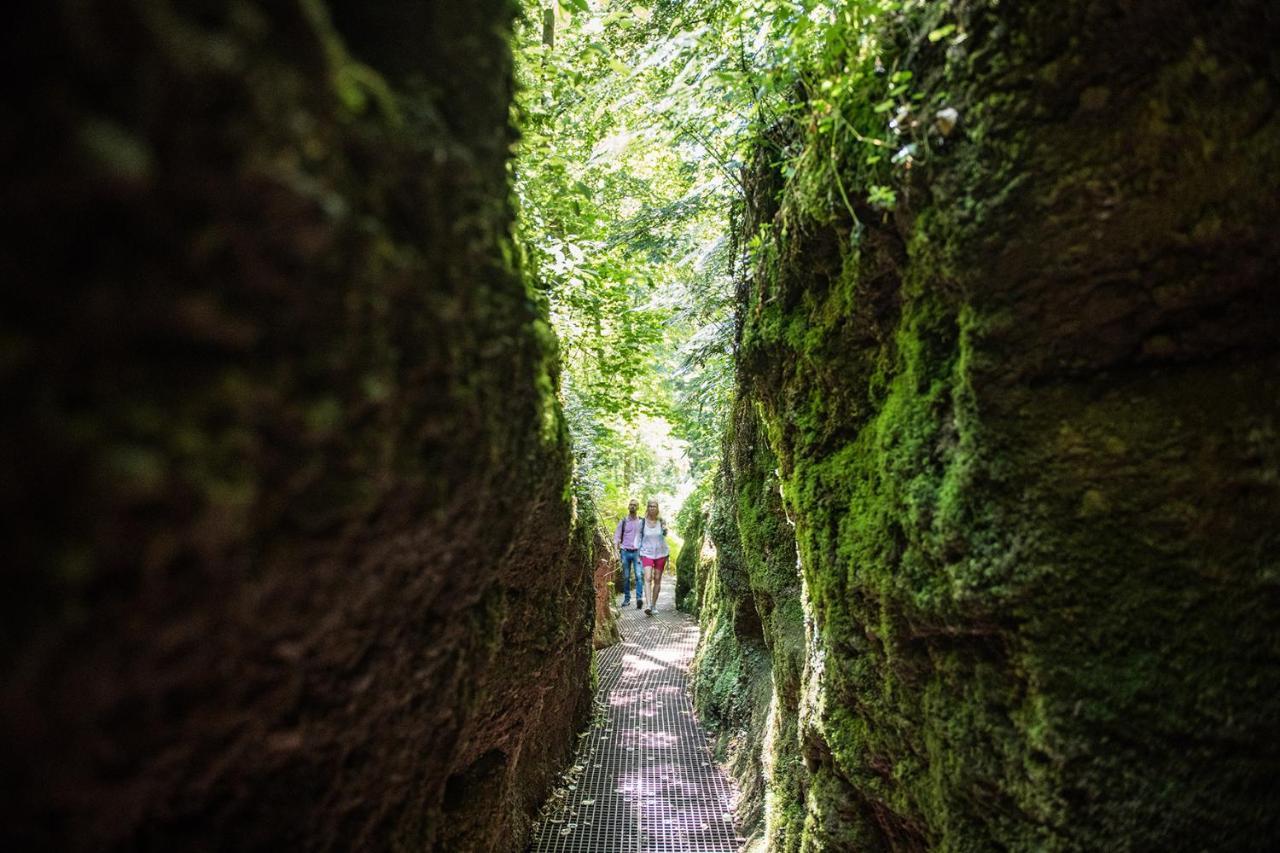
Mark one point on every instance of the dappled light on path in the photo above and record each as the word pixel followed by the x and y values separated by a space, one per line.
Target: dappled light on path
pixel 643 779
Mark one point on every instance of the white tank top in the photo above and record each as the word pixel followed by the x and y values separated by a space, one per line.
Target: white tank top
pixel 652 543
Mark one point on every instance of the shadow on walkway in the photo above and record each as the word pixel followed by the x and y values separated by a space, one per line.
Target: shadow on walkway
pixel 643 780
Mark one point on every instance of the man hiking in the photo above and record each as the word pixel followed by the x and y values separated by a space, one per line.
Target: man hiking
pixel 627 537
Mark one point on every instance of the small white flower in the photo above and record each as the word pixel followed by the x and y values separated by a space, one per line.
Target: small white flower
pixel 945 120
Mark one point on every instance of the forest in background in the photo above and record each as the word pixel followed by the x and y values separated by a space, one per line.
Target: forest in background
pixel 636 122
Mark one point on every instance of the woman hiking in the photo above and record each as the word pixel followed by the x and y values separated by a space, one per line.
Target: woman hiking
pixel 653 552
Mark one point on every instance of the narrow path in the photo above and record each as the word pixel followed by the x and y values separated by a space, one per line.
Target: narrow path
pixel 643 779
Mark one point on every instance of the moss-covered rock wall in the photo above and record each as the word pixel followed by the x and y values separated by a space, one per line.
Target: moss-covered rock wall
pixel 1026 428
pixel 748 668
pixel 731 672
pixel 284 484
pixel 692 523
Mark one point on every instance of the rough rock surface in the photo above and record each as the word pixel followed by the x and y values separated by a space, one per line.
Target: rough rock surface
pixel 749 663
pixel 605 632
pixel 1027 431
pixel 692 522
pixel 284 483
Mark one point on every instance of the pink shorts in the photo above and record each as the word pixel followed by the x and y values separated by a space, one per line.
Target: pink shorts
pixel 655 563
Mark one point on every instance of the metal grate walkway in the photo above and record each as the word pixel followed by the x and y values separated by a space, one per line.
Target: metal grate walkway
pixel 643 779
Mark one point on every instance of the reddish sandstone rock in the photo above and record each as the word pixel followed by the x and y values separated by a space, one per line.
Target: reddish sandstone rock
pixel 283 479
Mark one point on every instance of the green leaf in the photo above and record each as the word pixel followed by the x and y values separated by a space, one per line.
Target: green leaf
pixel 881 196
pixel 942 32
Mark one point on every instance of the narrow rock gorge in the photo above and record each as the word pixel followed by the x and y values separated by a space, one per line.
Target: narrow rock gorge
pixel 337 336
pixel 1025 428
pixel 293 556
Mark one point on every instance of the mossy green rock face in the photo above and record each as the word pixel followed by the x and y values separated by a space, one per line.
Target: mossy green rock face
pixel 751 653
pixel 692 522
pixel 731 670
pixel 1027 429
pixel 284 482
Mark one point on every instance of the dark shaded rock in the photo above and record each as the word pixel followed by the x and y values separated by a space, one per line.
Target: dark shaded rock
pixel 1026 429
pixel 751 654
pixel 731 673
pixel 284 482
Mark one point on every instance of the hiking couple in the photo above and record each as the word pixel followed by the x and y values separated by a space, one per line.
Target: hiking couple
pixel 643 540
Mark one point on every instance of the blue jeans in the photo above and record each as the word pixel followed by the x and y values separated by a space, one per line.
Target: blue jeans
pixel 631 563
